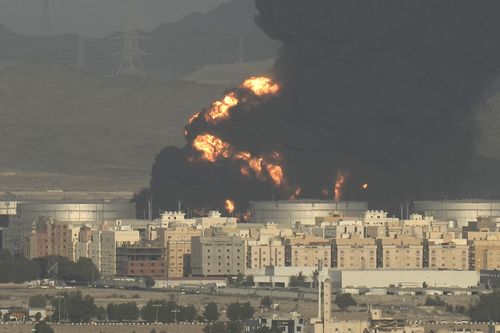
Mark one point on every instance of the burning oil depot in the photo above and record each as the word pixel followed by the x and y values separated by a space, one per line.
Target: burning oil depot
pixel 289 212
pixel 459 211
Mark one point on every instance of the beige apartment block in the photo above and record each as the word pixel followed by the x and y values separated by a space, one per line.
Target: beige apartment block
pixel 401 253
pixel 265 252
pixel 310 255
pixel 217 254
pixel 355 253
pixel 449 255
pixel 177 243
pixel 109 241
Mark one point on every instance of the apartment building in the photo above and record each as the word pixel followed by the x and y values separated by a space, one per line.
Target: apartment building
pixel 448 254
pixel 217 254
pixel 107 243
pixel 400 253
pixel 177 243
pixel 50 237
pixel 308 253
pixel 265 252
pixel 484 250
pixel 354 253
pixel 141 260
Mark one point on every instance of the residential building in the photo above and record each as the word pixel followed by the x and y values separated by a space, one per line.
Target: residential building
pixel 400 253
pixel 217 254
pixel 445 254
pixel 354 253
pixel 265 252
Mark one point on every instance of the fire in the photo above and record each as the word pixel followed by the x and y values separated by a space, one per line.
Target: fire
pixel 276 173
pixel 261 85
pixel 296 193
pixel 220 109
pixel 229 206
pixel 253 163
pixel 364 186
pixel 212 147
pixel 194 117
pixel 339 183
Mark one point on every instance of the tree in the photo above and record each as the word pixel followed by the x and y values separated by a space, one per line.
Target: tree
pixel 78 308
pixel 187 313
pixel 344 301
pixel 6 317
pixel 265 329
pixel 149 282
pixel 238 311
pixel 218 327
pixel 100 313
pixel 38 316
pixel 211 312
pixel 298 280
pixel 37 301
pixel 122 312
pixel 165 310
pixel 249 281
pixel 266 302
pixel 487 309
pixel 429 301
pixel 43 327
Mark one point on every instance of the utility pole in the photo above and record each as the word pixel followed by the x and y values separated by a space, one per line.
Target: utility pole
pixel 58 297
pixel 156 306
pixel 45 24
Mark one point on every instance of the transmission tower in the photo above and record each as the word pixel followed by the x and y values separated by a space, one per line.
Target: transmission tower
pixel 130 62
pixel 45 24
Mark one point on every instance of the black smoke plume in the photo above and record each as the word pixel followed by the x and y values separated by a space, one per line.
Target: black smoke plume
pixel 383 90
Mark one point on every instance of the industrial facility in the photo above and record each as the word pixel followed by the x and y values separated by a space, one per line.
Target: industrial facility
pixel 305 212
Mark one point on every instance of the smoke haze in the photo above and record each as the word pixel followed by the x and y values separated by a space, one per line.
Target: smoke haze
pixel 381 91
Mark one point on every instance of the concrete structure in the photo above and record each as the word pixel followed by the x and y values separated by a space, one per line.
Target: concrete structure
pixel 381 278
pixel 402 253
pixel 461 211
pixel 309 254
pixel 305 212
pixel 354 253
pixel 141 260
pixel 109 241
pixel 176 240
pixel 294 323
pixel 279 276
pixel 265 252
pixel 92 213
pixel 217 254
pixel 50 237
pixel 444 254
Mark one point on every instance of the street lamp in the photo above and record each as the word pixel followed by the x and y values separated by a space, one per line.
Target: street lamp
pixel 156 306
pixel 175 311
pixel 58 297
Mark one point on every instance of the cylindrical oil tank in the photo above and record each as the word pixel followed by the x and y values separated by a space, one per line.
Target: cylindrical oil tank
pixel 462 211
pixel 77 211
pixel 289 212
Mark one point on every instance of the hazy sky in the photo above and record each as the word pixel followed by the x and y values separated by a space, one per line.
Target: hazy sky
pixel 95 17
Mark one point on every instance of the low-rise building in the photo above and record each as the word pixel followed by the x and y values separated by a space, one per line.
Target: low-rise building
pixel 354 253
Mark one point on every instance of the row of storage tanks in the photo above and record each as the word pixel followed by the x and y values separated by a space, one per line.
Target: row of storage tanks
pixel 289 212
pixel 286 212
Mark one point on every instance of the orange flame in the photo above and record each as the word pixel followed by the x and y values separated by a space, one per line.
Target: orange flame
pixel 364 186
pixel 295 195
pixel 194 117
pixel 276 173
pixel 220 109
pixel 261 85
pixel 229 206
pixel 339 183
pixel 212 147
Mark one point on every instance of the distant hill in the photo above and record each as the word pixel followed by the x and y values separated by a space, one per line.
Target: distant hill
pixel 221 36
pixel 58 119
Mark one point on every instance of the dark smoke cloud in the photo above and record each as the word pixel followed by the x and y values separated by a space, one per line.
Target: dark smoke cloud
pixel 380 89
